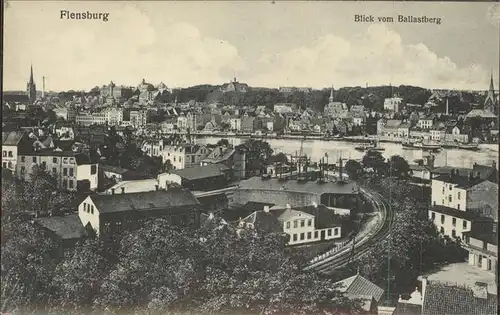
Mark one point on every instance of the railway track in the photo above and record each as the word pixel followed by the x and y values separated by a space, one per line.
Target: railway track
pixel 361 246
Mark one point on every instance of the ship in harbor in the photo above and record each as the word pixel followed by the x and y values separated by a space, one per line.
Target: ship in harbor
pixel 421 145
pixel 373 146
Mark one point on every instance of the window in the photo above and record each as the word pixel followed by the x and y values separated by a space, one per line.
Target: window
pixel 434 202
pixel 458 206
pixel 175 159
pixel 443 189
pixel 454 221
pixel 93 169
pixel 453 233
pixel 442 201
pixel 92 209
pixel 329 232
pixel 65 183
pixel 315 234
pixel 442 219
pixel 65 160
pixel 85 207
pixel 309 222
pixel 449 198
pixel 65 172
pixel 70 184
pixel 44 164
pixel 193 159
pixel 336 231
pixel 107 226
pixel 10 164
pixel 71 172
pixel 464 224
pixel 54 171
pixel 180 159
pixel 441 229
pixel 34 159
pixel 433 216
pixel 23 159
pixel 10 153
pixel 54 160
pixel 294 237
pixel 4 153
pixel 450 187
pixel 118 226
pixel 302 236
pixel 302 223
pixel 458 195
pixel 309 235
pixel 295 224
pixel 23 170
pixel 288 225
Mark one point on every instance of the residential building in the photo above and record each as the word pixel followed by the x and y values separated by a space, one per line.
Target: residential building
pixel 247 123
pixel 73 171
pixel 389 127
pixel 425 123
pixel 303 224
pixel 13 144
pixel 235 123
pixel 394 104
pixel 66 113
pixel 437 133
pixel 458 199
pixel 282 108
pixel 234 86
pixel 184 155
pixel 455 134
pixel 109 215
pixel 87 119
pixel 114 116
pixel 403 130
pixel 204 178
pixel 139 118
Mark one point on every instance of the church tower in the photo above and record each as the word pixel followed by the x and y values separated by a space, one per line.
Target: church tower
pixel 490 104
pixel 31 88
pixel 330 99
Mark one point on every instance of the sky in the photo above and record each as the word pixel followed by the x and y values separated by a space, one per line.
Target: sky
pixel 265 44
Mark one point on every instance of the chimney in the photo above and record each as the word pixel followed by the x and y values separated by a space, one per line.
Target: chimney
pixel 43 87
pixel 266 209
pixel 123 190
pixel 480 290
pixel 112 191
pixel 156 187
pixel 447 107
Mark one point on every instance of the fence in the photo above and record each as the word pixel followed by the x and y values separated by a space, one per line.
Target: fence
pixel 330 252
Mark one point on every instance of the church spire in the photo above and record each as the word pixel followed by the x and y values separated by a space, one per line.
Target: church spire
pixel 31 88
pixel 31 75
pixel 490 102
pixel 331 95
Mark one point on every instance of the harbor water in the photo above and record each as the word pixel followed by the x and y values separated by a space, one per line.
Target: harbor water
pixel 316 149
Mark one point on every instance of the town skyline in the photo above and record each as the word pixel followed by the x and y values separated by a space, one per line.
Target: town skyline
pixel 190 49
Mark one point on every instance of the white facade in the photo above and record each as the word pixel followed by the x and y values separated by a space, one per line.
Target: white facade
pixel 166 179
pixel 270 126
pixel 235 124
pixel 301 228
pixel 448 195
pixel 450 225
pixel 425 123
pixel 9 157
pixel 88 213
pixel 88 172
pixel 114 116
pixel 139 118
pixel 393 104
pixel 180 159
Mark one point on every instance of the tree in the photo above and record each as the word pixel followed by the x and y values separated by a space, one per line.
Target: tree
pixel 223 142
pixel 257 153
pixel 279 158
pixel 353 169
pixel 167 166
pixel 399 166
pixel 375 161
pixel 78 278
pixel 27 266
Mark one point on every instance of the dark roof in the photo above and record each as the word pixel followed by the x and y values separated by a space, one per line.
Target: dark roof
pixel 467 215
pixel 243 211
pixel 66 227
pixel 293 185
pixel 460 180
pixel 12 137
pixel 323 216
pixel 199 172
pixel 407 309
pixel 359 286
pixel 265 221
pixel 64 145
pixel 484 232
pixel 441 299
pixel 174 197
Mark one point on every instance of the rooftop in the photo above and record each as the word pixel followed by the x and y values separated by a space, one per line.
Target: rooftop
pixel 467 215
pixel 134 186
pixel 200 172
pixel 442 299
pixel 359 286
pixel 12 137
pixel 174 197
pixel 311 187
pixel 66 227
